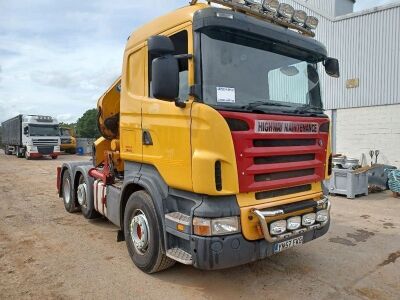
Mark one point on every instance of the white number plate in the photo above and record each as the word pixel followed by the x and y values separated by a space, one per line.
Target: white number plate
pixel 288 244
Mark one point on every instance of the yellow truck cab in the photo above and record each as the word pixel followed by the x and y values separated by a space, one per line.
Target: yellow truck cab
pixel 215 144
pixel 68 140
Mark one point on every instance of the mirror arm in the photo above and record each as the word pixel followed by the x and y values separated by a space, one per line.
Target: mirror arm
pixel 183 56
pixel 179 103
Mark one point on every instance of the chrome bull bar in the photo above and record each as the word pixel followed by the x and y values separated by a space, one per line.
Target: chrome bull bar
pixel 324 203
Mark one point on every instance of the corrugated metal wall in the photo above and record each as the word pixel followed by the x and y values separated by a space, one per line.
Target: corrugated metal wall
pixel 368 47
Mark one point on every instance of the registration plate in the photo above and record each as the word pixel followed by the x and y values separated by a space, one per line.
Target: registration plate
pixel 288 244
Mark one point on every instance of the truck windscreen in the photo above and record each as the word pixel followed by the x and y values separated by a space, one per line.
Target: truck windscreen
pixel 65 132
pixel 43 130
pixel 240 71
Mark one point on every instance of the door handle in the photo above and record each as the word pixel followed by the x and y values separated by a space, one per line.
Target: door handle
pixel 146 138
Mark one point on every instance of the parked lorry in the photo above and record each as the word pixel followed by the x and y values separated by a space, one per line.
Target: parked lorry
pixel 215 144
pixel 68 140
pixel 31 136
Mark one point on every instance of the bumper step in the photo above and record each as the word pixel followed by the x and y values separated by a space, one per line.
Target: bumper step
pixel 180 256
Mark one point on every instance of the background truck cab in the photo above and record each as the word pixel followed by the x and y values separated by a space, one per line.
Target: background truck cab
pixel 31 136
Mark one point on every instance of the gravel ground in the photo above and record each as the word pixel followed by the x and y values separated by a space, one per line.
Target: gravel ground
pixel 47 253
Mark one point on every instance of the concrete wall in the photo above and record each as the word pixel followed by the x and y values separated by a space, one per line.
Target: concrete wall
pixel 359 130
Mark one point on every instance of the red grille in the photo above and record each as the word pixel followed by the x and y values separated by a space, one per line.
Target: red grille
pixel 268 161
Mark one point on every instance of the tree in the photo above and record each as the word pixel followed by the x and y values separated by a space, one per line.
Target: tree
pixel 86 127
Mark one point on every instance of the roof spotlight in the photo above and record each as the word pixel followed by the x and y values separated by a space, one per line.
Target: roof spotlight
pixel 270 5
pixel 299 16
pixel 286 10
pixel 252 2
pixel 311 22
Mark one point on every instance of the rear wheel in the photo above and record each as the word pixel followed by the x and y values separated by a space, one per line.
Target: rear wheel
pixel 85 199
pixel 19 152
pixel 143 234
pixel 69 201
pixel 7 150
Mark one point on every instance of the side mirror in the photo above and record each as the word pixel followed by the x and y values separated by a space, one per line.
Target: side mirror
pixel 332 67
pixel 165 81
pixel 26 130
pixel 159 45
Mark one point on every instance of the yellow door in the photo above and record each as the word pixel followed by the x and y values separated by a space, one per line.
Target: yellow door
pixel 132 95
pixel 168 126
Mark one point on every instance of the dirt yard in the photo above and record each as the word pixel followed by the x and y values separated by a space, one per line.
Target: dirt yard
pixel 47 253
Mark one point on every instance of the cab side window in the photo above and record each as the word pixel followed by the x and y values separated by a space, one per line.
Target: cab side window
pixel 180 41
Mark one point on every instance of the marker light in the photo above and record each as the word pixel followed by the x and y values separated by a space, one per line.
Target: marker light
pixel 311 22
pixel 286 10
pixel 299 16
pixel 271 5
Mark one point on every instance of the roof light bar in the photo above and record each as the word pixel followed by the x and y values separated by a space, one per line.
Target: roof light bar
pixel 272 11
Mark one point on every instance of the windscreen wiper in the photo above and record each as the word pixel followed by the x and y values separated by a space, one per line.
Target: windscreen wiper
pixel 308 108
pixel 256 104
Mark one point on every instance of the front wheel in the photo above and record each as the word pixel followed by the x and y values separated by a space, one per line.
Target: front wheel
pixel 143 234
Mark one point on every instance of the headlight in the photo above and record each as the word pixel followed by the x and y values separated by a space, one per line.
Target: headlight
pixel 286 11
pixel 308 219
pixel 322 215
pixel 299 16
pixel 311 22
pixel 293 223
pixel 277 227
pixel 225 226
pixel 271 5
pixel 220 226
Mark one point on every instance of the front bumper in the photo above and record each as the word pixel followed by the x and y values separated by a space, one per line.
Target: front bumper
pixel 212 253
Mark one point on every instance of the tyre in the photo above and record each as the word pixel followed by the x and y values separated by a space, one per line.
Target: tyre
pixel 86 200
pixel 143 234
pixel 19 154
pixel 54 157
pixel 7 150
pixel 67 193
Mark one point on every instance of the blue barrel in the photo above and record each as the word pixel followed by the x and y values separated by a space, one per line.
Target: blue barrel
pixel 79 150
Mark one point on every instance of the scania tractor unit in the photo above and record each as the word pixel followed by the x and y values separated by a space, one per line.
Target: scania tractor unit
pixel 214 140
pixel 31 136
pixel 68 140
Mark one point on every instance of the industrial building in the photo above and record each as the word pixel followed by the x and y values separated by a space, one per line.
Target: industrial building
pixel 364 103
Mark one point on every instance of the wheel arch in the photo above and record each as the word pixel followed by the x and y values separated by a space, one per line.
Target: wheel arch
pixel 146 178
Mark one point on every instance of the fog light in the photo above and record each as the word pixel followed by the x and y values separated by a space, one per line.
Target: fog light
pixel 299 16
pixel 311 22
pixel 277 227
pixel 286 11
pixel 308 219
pixel 293 223
pixel 271 5
pixel 322 215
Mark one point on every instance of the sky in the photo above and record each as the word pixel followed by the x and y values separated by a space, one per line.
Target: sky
pixel 58 57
